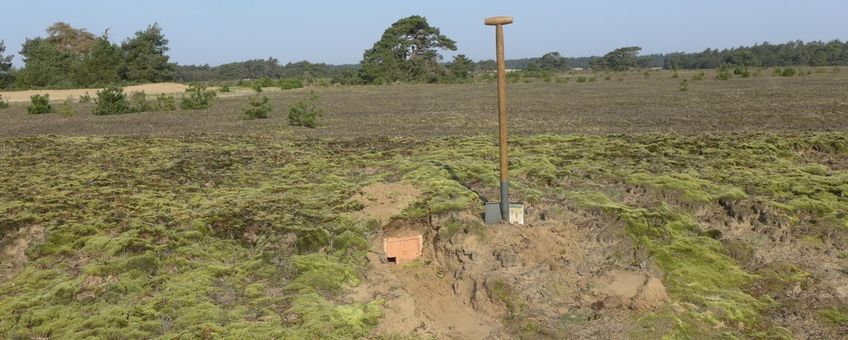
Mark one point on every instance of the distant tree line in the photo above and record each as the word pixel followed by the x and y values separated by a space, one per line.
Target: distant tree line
pixel 408 51
pixel 73 57
pixel 794 53
pixel 258 69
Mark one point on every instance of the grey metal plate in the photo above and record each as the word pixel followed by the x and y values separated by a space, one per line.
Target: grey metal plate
pixel 493 212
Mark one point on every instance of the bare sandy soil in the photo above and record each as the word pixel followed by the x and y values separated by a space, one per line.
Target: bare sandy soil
pixel 23 96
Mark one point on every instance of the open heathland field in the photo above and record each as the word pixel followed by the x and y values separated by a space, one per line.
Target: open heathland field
pixel 715 212
pixel 601 104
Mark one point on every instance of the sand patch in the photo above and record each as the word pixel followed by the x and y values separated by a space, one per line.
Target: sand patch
pixel 382 201
pixel 150 89
pixel 13 249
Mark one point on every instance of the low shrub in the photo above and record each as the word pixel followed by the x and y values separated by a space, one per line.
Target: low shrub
pixel 266 82
pixel 110 101
pixel 723 72
pixel 742 71
pixel 674 75
pixel 581 79
pixel 257 108
pixel 138 102
pixel 306 112
pixel 224 88
pixel 257 87
pixel 198 98
pixel 165 102
pixel 787 72
pixel 85 98
pixel 66 109
pixel 699 76
pixel 684 86
pixel 39 104
pixel 3 103
pixel 290 83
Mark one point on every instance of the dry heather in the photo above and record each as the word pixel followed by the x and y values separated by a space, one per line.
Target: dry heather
pixel 816 102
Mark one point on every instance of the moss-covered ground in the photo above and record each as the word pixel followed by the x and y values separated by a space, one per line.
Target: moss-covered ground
pixel 254 236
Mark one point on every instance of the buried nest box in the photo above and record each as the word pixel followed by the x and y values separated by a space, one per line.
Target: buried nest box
pixel 403 249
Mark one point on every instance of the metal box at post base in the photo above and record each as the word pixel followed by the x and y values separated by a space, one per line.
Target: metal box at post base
pixel 493 213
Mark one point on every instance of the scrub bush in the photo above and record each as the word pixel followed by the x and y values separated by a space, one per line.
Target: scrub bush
pixel 110 101
pixel 39 104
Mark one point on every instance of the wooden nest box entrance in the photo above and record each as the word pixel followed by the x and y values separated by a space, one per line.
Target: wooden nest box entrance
pixel 403 249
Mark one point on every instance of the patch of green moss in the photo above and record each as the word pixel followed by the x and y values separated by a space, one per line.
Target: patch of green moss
pixel 212 236
pixel 838 317
pixel 696 268
pixel 322 319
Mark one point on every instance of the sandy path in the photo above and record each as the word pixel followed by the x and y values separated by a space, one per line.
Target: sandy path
pixel 150 89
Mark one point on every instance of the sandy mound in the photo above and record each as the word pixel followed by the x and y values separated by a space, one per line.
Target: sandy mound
pixel 638 291
pixel 13 249
pixel 381 201
pixel 150 89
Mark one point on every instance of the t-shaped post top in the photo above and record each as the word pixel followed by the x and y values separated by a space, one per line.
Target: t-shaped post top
pixel 494 21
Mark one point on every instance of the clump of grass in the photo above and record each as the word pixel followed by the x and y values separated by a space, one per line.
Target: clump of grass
pixel 684 86
pixel 306 112
pixel 65 109
pixel 39 104
pixel 581 79
pixel 4 104
pixel 835 316
pixel 138 102
pixel 85 98
pixel 690 188
pixel 674 75
pixel 699 76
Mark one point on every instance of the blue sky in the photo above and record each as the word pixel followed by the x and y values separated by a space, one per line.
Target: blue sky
pixel 337 31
